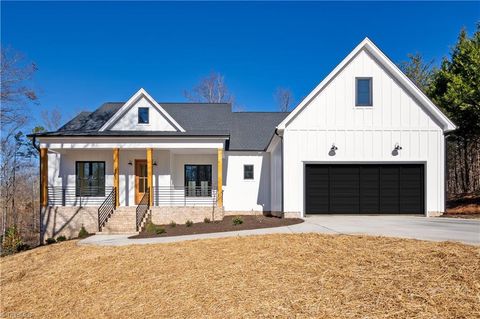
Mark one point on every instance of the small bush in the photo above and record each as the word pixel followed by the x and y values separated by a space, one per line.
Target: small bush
pixel 153 229
pixel 150 227
pixel 206 220
pixel 188 223
pixel 12 242
pixel 50 241
pixel 173 224
pixel 61 238
pixel 237 221
pixel 83 233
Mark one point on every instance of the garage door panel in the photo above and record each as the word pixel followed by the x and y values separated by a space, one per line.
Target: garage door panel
pixel 344 189
pixel 368 188
pixel 317 192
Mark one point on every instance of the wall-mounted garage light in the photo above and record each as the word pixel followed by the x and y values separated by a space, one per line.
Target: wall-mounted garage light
pixel 130 162
pixel 333 149
pixel 154 163
pixel 396 148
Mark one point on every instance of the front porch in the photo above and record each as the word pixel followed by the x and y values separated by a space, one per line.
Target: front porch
pixel 186 177
pixel 125 186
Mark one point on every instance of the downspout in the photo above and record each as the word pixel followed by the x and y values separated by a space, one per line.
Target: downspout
pixel 281 165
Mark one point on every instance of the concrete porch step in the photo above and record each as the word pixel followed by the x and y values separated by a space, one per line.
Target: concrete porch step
pixel 122 221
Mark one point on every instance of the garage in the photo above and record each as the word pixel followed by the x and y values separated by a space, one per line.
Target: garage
pixel 364 189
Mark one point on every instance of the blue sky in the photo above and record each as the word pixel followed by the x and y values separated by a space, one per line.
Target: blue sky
pixel 92 52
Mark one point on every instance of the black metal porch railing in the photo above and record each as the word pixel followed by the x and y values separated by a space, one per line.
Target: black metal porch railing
pixel 184 196
pixel 77 196
pixel 106 209
pixel 142 208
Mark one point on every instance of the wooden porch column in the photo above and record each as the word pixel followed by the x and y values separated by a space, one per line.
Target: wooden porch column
pixel 116 177
pixel 219 177
pixel 43 177
pixel 150 173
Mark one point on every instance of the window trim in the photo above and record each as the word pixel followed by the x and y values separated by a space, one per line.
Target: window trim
pixel 100 192
pixel 253 172
pixel 148 116
pixel 357 104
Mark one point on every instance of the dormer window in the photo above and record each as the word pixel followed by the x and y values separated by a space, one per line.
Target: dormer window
pixel 363 92
pixel 143 115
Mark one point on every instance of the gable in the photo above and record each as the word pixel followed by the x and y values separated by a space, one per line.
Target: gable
pixel 129 120
pixel 393 107
pixel 397 102
pixel 126 118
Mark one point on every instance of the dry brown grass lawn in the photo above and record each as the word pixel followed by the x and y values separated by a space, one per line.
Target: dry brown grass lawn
pixel 306 275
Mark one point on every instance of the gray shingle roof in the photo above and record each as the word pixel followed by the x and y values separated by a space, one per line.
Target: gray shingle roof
pixel 250 131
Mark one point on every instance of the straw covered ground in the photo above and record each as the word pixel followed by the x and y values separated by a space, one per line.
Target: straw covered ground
pixel 304 276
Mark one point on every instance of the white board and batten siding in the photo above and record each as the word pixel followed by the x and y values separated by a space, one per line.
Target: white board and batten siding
pixel 129 121
pixel 363 134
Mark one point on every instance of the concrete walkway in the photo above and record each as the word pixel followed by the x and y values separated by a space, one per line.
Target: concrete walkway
pixel 416 227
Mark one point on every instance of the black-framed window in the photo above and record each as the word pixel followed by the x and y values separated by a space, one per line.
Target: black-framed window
pixel 198 180
pixel 90 179
pixel 363 91
pixel 247 171
pixel 143 116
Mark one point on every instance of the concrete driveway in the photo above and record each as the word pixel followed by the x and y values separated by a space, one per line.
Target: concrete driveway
pixel 416 227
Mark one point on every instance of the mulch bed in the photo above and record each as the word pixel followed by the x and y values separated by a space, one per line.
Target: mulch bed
pixel 249 222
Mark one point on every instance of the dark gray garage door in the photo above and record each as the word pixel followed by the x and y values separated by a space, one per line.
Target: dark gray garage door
pixel 364 189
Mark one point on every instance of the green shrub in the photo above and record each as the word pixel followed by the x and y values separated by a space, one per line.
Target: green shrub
pixel 237 221
pixel 173 224
pixel 12 242
pixel 206 220
pixel 50 241
pixel 150 227
pixel 83 233
pixel 188 223
pixel 154 229
pixel 61 238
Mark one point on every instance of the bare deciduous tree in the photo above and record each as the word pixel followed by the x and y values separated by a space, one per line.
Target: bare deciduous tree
pixel 17 166
pixel 284 99
pixel 14 73
pixel 211 89
pixel 52 119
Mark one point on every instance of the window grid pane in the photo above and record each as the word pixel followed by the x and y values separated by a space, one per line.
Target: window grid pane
pixel 198 180
pixel 143 115
pixel 364 92
pixel 90 179
pixel 248 172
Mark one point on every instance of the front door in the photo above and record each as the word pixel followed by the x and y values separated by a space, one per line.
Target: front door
pixel 141 181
